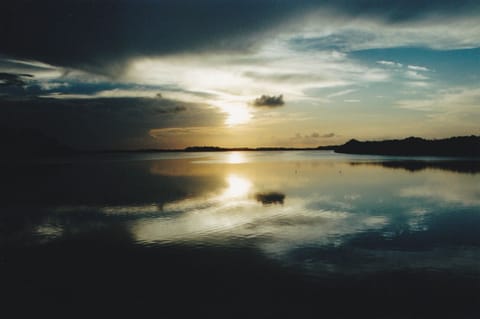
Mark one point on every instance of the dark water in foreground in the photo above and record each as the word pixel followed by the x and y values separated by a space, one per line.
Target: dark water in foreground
pixel 241 235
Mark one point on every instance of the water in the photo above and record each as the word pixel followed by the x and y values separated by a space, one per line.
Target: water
pixel 242 234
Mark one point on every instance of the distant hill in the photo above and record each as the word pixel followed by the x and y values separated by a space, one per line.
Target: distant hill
pixel 415 146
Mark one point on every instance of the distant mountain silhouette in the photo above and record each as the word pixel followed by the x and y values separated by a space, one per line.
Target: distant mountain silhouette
pixel 415 146
pixel 16 142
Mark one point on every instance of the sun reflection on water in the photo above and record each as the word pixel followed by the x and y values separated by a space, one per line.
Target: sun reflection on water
pixel 237 186
pixel 236 158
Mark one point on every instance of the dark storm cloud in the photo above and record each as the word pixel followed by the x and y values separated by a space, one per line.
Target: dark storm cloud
pixel 269 101
pixel 12 79
pixel 98 123
pixel 8 65
pixel 406 10
pixel 21 84
pixel 101 36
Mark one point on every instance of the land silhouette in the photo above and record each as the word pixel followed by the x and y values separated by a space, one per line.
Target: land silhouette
pixel 468 146
pixel 465 146
pixel 31 142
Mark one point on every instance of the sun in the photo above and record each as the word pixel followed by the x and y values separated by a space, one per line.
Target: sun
pixel 236 114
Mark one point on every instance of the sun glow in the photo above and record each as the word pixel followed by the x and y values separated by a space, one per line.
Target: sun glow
pixel 236 115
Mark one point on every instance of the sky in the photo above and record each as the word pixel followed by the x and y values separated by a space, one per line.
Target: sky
pixel 120 74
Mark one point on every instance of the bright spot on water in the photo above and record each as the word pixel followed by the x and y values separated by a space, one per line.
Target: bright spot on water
pixel 236 158
pixel 237 186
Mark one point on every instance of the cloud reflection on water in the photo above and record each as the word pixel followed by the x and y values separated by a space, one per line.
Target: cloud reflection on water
pixel 237 213
pixel 325 209
pixel 334 211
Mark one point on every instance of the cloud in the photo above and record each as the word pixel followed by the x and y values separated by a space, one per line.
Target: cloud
pixel 414 75
pixel 450 33
pixel 454 100
pixel 328 135
pixel 105 123
pixel 23 66
pixel 10 79
pixel 403 10
pixel 285 77
pixel 417 84
pixel 418 68
pixel 310 139
pixel 238 79
pixel 226 54
pixel 341 93
pixel 72 34
pixel 269 101
pixel 314 135
pixel 454 111
pixel 390 63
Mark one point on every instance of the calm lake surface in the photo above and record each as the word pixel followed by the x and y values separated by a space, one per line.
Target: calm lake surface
pixel 309 234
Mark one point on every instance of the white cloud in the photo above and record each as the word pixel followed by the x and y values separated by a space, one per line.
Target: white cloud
pixel 231 82
pixel 418 84
pixel 342 93
pixel 390 63
pixel 414 75
pixel 446 100
pixel 418 68
pixel 454 111
pixel 362 33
